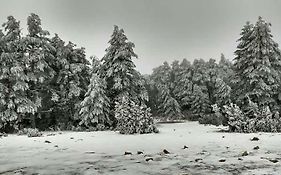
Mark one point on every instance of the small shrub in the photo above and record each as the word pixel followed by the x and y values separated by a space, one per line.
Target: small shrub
pixel 133 118
pixel 211 119
pixel 33 132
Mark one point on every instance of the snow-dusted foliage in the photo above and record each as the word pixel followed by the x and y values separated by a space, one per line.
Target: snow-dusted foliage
pixel 236 118
pixel 183 83
pixel 133 118
pixel 253 120
pixel 124 82
pixel 31 73
pixel 190 88
pixel 257 64
pixel 95 106
pixel 167 106
pixel 256 83
pixel 70 82
pixel 222 92
pixel 13 79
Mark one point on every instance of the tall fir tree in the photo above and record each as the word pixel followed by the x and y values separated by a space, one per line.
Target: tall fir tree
pixel 168 107
pixel 38 53
pixel 183 85
pixel 14 102
pixel 94 110
pixel 122 79
pixel 70 83
pixel 258 64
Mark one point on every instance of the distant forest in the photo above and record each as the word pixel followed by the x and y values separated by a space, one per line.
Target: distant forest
pixel 49 84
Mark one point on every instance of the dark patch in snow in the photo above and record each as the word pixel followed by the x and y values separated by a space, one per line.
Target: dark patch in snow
pixel 197 160
pixel 256 148
pixel 166 151
pixel 245 153
pixel 149 159
pixel 255 139
pixel 128 153
pixel 90 152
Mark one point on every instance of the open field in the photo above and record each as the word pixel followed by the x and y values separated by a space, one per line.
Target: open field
pixel 209 152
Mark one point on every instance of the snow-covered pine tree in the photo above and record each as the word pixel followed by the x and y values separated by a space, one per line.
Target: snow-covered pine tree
pixel 235 117
pixel 225 68
pixel 221 92
pixel 14 103
pixel 94 110
pixel 183 85
pixel 257 64
pixel 96 64
pixel 118 70
pixel 168 106
pixel 199 98
pixel 133 118
pixel 38 55
pixel 71 81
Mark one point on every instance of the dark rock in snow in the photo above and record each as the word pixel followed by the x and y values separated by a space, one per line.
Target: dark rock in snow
pixel 56 146
pixel 166 151
pixel 47 141
pixel 222 160
pixel 51 134
pixel 197 160
pixel 245 153
pixel 90 152
pixel 239 158
pixel 71 137
pixel 223 137
pixel 185 147
pixel 149 159
pixel 255 139
pixel 273 160
pixel 227 147
pixel 139 152
pixel 127 153
pixel 256 148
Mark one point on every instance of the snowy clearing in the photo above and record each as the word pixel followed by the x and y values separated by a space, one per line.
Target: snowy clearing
pixel 209 152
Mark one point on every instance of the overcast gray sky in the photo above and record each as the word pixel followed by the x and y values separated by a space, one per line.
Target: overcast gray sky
pixel 161 29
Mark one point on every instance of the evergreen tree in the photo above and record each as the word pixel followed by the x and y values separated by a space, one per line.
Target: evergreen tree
pixel 38 55
pixel 257 64
pixel 199 97
pixel 14 103
pixel 95 106
pixel 183 85
pixel 133 118
pixel 124 82
pixel 221 92
pixel 71 81
pixel 225 70
pixel 167 104
pixel 118 70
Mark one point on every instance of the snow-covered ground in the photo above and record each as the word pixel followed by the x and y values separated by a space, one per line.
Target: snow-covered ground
pixel 103 152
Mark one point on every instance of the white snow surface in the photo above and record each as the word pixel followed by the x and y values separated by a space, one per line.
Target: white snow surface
pixel 103 152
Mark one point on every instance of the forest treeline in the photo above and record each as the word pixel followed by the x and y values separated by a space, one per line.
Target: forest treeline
pixel 49 84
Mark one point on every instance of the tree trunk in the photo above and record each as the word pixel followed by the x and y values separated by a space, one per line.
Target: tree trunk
pixel 33 122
